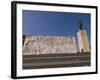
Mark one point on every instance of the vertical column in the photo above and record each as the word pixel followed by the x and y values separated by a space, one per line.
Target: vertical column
pixel 83 41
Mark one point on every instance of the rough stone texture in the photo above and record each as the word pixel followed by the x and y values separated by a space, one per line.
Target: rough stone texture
pixel 49 45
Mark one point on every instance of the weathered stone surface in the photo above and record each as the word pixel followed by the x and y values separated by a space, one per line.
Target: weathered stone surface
pixel 49 45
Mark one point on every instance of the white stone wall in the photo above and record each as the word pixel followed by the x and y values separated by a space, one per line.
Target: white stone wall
pixel 49 45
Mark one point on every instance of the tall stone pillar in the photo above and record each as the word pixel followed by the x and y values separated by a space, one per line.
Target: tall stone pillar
pixel 83 41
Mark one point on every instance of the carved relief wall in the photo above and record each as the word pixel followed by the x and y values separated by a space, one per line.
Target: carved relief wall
pixel 49 45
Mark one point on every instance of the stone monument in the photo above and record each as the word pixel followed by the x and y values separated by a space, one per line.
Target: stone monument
pixel 48 45
pixel 82 39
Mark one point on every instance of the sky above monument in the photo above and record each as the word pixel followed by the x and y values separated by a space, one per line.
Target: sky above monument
pixel 54 23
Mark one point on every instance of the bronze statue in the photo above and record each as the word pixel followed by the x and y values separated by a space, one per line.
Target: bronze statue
pixel 80 25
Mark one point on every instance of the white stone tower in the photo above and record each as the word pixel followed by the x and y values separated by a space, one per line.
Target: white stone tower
pixel 83 39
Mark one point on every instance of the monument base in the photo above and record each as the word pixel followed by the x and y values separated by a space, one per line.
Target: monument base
pixel 56 60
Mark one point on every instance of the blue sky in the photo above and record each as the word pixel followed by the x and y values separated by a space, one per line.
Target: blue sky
pixel 54 23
